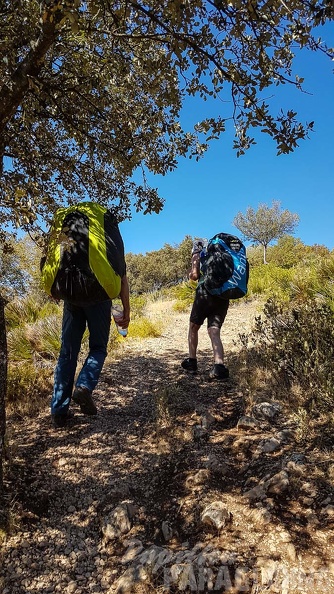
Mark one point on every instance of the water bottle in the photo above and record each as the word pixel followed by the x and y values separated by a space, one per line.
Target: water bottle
pixel 117 313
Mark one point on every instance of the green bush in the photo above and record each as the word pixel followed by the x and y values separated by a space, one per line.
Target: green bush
pixel 296 342
pixel 45 336
pixel 18 344
pixel 20 311
pixel 304 283
pixel 144 328
pixel 324 287
pixel 50 308
pixel 184 294
pixel 268 279
pixel 28 387
pixel 137 304
pixel 39 340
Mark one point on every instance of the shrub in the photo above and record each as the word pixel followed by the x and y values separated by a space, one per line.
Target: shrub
pixel 19 347
pixel 144 328
pixel 38 340
pixel 297 343
pixel 184 294
pixel 325 281
pixel 50 308
pixel 270 280
pixel 304 283
pixel 45 336
pixel 20 311
pixel 309 279
pixel 28 387
pixel 137 304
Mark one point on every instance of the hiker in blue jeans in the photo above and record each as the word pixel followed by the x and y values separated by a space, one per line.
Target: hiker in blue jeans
pixel 97 317
pixel 84 265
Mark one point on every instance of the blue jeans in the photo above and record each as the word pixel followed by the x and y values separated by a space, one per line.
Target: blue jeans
pixel 97 317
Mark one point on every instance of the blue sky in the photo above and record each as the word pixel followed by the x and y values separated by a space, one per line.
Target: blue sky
pixel 202 198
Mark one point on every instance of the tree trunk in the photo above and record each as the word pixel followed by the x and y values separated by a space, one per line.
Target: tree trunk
pixel 264 254
pixel 3 390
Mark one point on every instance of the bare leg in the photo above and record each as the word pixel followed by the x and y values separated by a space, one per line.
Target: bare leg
pixel 217 345
pixel 193 339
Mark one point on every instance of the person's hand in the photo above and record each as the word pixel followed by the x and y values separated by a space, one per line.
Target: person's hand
pixel 198 245
pixel 193 275
pixel 124 321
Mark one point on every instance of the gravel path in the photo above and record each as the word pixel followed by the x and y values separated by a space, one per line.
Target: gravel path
pixel 66 482
pixel 65 477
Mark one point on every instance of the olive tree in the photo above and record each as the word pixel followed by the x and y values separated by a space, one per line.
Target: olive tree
pixel 265 224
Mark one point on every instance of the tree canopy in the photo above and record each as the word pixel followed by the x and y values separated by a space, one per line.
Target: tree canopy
pixel 265 224
pixel 92 92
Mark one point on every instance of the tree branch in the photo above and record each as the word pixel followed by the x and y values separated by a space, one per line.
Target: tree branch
pixel 13 92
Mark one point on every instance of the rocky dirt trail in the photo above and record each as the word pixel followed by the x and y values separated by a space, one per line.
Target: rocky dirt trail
pixel 173 487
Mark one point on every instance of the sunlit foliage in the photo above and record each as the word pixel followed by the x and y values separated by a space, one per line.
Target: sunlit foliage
pixel 91 92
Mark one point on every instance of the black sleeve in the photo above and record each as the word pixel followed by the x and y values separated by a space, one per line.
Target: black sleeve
pixel 114 244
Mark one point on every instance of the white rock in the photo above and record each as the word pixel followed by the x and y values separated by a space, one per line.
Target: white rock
pixel 278 483
pixel 291 552
pixel 270 445
pixel 216 514
pixel 257 492
pixel 247 422
pixel 131 577
pixel 116 523
pixel 167 531
pixel 266 410
pixel 268 569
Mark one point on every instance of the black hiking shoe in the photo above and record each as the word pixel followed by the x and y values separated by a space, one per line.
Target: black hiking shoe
pixel 59 421
pixel 83 397
pixel 189 365
pixel 219 372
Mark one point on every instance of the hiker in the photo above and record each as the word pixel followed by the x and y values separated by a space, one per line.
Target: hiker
pixel 85 267
pixel 205 306
pixel 221 267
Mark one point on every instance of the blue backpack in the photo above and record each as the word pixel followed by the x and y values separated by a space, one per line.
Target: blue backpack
pixel 225 267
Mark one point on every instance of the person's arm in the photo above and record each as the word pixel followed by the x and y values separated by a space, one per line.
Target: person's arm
pixel 125 298
pixel 195 267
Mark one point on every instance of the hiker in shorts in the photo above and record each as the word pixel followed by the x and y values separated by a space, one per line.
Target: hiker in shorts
pixel 205 307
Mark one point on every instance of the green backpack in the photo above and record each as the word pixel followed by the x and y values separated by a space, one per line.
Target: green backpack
pixel 85 255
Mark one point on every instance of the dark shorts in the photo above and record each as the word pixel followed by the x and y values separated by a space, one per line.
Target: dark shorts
pixel 208 306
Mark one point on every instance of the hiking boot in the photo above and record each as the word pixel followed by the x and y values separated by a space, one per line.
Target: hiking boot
pixel 83 397
pixel 189 365
pixel 219 372
pixel 59 421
